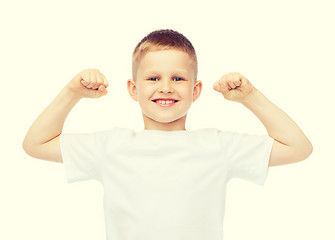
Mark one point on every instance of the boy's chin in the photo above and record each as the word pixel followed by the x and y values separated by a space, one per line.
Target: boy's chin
pixel 164 120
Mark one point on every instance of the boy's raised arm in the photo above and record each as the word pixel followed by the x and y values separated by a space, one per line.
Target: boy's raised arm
pixel 290 145
pixel 42 139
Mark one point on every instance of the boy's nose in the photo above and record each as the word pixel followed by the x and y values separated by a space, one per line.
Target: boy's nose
pixel 165 87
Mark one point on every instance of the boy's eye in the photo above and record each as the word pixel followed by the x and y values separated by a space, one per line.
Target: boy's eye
pixel 175 78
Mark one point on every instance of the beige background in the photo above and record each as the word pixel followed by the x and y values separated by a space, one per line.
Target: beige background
pixel 285 48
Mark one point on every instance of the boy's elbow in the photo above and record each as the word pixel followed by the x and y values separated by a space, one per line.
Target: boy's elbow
pixel 305 151
pixel 309 149
pixel 27 148
pixel 46 151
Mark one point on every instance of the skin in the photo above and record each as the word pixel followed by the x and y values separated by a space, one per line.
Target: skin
pixel 165 74
pixel 290 143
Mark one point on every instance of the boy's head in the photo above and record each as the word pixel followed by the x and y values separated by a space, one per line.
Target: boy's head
pixel 164 79
pixel 163 40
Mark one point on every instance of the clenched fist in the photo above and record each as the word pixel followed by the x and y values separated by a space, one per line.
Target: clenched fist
pixel 234 87
pixel 90 83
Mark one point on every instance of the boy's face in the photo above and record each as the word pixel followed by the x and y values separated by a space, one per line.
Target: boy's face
pixel 166 74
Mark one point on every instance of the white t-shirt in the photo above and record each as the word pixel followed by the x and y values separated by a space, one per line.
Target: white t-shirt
pixel 165 185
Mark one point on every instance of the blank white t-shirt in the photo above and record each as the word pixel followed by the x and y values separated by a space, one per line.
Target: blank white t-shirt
pixel 165 185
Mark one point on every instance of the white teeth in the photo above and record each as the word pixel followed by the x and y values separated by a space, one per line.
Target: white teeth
pixel 165 102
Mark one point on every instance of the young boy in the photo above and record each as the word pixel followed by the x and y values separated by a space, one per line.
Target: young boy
pixel 164 182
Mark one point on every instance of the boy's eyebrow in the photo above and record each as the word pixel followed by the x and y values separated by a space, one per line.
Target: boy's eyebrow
pixel 178 71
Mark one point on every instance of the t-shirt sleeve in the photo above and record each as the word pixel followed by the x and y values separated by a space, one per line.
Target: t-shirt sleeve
pixel 247 155
pixel 81 154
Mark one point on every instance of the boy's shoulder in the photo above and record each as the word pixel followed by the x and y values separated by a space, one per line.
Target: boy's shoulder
pixel 124 131
pixel 205 130
pixel 122 134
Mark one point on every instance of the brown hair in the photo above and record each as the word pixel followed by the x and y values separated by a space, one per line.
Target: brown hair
pixel 163 40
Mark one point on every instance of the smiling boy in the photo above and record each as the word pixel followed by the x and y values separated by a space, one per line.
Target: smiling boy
pixel 165 75
pixel 164 182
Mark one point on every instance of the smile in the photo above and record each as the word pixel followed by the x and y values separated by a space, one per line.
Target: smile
pixel 165 103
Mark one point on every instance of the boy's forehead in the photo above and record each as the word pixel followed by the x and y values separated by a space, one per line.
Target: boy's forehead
pixel 179 60
pixel 175 70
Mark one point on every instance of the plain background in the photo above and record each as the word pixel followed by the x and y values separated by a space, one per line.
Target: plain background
pixel 285 48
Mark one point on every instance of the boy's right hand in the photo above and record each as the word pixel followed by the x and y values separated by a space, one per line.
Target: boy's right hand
pixel 90 83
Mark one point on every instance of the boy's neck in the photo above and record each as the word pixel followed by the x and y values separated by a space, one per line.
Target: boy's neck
pixel 177 125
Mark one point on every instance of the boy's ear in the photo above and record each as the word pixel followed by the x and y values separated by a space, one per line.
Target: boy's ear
pixel 197 90
pixel 131 86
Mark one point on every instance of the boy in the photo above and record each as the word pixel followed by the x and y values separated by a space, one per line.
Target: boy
pixel 164 182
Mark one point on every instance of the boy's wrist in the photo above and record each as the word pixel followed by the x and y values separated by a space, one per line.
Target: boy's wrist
pixel 67 91
pixel 252 98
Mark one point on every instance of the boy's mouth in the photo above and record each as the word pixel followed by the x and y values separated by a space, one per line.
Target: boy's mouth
pixel 165 102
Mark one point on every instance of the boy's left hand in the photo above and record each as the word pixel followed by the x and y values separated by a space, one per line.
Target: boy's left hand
pixel 234 87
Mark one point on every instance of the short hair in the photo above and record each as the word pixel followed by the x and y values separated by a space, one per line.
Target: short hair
pixel 163 39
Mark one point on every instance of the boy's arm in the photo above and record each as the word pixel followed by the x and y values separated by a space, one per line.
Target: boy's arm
pixel 290 145
pixel 42 139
